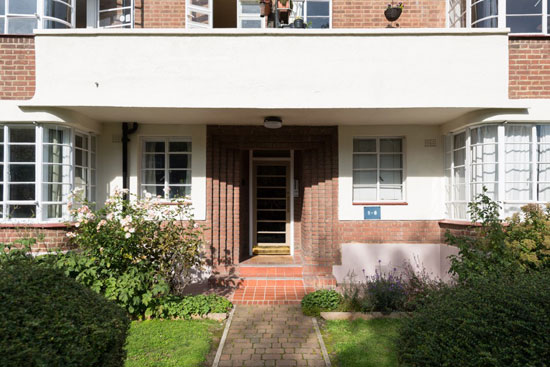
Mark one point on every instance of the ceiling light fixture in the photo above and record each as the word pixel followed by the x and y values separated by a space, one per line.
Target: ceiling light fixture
pixel 273 122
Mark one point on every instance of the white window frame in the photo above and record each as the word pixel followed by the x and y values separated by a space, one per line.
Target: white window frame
pixel 459 17
pixel 249 16
pixel 166 140
pixel 306 17
pixel 501 167
pixel 40 16
pixel 39 202
pixel 378 169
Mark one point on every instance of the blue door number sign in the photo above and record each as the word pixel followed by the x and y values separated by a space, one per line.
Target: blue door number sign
pixel 371 212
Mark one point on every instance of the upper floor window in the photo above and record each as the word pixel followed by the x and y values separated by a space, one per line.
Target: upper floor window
pixel 39 166
pixel 521 16
pixel 23 16
pixel 377 169
pixel 166 167
pixel 511 161
pixel 115 13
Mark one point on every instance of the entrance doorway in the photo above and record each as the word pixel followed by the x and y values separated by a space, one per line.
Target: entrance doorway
pixel 271 206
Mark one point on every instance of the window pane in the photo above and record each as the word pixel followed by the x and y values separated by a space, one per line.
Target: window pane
pixel 22 153
pixel 319 22
pixel 391 161
pixel 364 194
pixel 154 161
pixel 152 177
pixel 22 211
pixel 22 6
pixel 491 190
pixel 2 7
pixel 56 136
pixel 459 140
pixel 364 145
pixel 525 24
pixel 55 192
pixel 154 190
pixel 318 8
pixel 251 23
pixel 22 173
pixel 544 173
pixel 180 161
pixel 179 191
pixel 81 176
pixel 81 157
pixel 180 177
pixel 56 173
pixel 2 25
pixel 485 135
pixel 391 177
pixel 58 154
pixel 517 172
pixel 362 161
pixel 523 6
pixel 57 10
pixel 118 17
pixel 459 157
pixel 202 3
pixel 250 8
pixel 390 193
pixel 154 147
pixel 364 178
pixel 391 145
pixel 179 146
pixel 20 192
pixel 21 25
pixel 518 191
pixel 22 135
pixel 54 211
pixel 544 192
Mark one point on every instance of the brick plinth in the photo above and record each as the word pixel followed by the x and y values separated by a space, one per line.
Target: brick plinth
pixel 529 71
pixel 17 67
pixel 388 231
pixel 48 237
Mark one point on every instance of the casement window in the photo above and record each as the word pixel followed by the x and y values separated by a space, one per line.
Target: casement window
pixel 377 169
pixel 23 16
pixel 511 161
pixel 521 16
pixel 166 167
pixel 249 14
pixel 317 13
pixel 37 171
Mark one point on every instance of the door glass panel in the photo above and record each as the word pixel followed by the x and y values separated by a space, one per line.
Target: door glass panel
pixel 272 170
pixel 271 238
pixel 272 204
pixel 199 17
pixel 272 226
pixel 272 181
pixel 271 193
pixel 271 215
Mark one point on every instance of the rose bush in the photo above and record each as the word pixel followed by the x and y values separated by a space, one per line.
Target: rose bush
pixel 133 251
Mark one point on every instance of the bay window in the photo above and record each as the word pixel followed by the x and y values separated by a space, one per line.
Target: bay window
pixel 521 16
pixel 166 167
pixel 23 16
pixel 377 169
pixel 511 161
pixel 37 171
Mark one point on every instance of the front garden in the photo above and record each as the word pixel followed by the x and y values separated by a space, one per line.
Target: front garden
pixel 132 262
pixel 496 312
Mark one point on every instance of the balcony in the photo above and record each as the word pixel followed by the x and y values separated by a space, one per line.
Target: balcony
pixel 239 76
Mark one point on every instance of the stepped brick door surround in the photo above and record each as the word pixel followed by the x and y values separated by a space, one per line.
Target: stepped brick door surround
pixel 315 208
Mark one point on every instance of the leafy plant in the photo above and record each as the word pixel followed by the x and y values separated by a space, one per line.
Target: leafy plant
pixel 385 292
pixel 498 321
pixel 134 251
pixel 320 301
pixel 48 319
pixel 188 306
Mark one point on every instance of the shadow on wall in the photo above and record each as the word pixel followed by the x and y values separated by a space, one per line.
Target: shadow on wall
pixel 360 258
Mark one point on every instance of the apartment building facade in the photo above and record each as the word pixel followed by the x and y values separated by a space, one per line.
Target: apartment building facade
pixel 350 143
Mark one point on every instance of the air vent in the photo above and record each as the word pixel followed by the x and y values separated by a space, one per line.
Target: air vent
pixel 117 139
pixel 430 143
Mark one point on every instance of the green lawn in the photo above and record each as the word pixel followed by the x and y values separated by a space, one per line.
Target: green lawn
pixel 167 343
pixel 362 343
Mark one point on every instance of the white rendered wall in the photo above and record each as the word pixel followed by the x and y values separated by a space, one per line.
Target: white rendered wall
pixel 423 173
pixel 377 68
pixel 356 257
pixel 110 159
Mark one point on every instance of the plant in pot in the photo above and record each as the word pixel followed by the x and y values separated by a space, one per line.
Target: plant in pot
pixel 393 12
pixel 299 22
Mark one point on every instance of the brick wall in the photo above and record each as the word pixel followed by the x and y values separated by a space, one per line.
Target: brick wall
pixel 17 67
pixel 529 72
pixel 415 231
pixel 160 13
pixel 370 14
pixel 49 237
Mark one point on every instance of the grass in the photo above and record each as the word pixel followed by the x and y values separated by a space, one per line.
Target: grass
pixel 167 343
pixel 365 343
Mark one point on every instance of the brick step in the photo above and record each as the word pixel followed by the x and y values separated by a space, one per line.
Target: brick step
pixel 270 271
pixel 259 295
pixel 271 282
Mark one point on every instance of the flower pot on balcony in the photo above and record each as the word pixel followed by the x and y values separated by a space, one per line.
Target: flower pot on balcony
pixel 393 13
pixel 299 23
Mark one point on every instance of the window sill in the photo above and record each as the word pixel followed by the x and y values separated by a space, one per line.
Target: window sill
pixel 383 203
pixel 458 222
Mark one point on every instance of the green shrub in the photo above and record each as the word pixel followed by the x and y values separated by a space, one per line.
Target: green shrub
pixel 134 251
pixel 320 301
pixel 385 292
pixel 48 319
pixel 185 307
pixel 502 321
